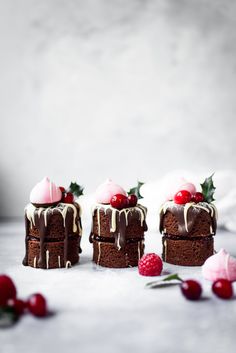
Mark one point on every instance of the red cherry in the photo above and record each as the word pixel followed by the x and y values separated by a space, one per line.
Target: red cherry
pixel 62 189
pixel 132 200
pixel 7 289
pixel 182 197
pixel 223 288
pixel 37 305
pixel 18 305
pixel 68 197
pixel 197 197
pixel 119 201
pixel 191 289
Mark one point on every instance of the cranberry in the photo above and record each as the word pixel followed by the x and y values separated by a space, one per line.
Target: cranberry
pixel 68 197
pixel 223 288
pixel 7 289
pixel 37 305
pixel 150 265
pixel 182 197
pixel 132 200
pixel 197 197
pixel 191 289
pixel 62 189
pixel 18 305
pixel 119 201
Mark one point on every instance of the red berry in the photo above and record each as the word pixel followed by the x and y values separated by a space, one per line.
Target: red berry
pixel 68 197
pixel 18 305
pixel 37 305
pixel 182 197
pixel 132 200
pixel 119 201
pixel 62 189
pixel 150 265
pixel 197 197
pixel 7 289
pixel 223 288
pixel 191 289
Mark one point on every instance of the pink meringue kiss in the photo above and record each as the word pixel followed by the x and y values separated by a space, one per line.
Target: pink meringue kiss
pixel 220 265
pixel 45 193
pixel 105 191
pixel 190 187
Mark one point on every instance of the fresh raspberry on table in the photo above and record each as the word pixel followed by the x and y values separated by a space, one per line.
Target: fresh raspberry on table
pixel 150 265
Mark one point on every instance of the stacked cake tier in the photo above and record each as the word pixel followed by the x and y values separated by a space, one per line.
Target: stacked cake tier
pixel 118 235
pixel 188 231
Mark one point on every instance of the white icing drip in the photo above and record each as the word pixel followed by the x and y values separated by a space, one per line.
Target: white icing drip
pixel 61 207
pixel 113 220
pixel 211 230
pixel 118 241
pixel 99 252
pixel 139 250
pixel 47 259
pixel 68 264
pixel 186 208
pixel 59 261
pixel 35 261
pixel 98 220
pixel 165 247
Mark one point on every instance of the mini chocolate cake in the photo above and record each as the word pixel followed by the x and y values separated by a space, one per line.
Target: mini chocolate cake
pixel 188 228
pixel 118 235
pixel 53 228
pixel 52 236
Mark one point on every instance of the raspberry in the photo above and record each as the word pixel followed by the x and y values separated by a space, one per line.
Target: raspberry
pixel 150 265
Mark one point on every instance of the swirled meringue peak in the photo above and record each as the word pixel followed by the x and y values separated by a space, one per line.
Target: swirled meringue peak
pixel 220 265
pixel 105 191
pixel 45 193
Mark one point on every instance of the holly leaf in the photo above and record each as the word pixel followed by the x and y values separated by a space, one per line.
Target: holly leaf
pixel 208 189
pixel 76 189
pixel 136 190
pixel 8 317
pixel 165 282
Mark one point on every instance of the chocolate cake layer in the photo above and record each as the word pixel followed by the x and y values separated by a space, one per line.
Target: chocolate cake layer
pixel 53 232
pixel 54 253
pixel 185 251
pixel 192 220
pixel 107 255
pixel 118 235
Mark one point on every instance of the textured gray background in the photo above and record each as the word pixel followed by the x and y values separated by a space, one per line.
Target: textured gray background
pixel 126 89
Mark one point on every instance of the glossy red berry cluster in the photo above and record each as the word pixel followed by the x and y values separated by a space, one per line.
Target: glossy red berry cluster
pixel 121 201
pixel 67 197
pixel 184 196
pixel 36 303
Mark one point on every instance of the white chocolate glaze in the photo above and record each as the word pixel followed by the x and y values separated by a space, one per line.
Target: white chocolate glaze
pixel 47 259
pixel 207 207
pixel 59 261
pixel 63 208
pixel 115 212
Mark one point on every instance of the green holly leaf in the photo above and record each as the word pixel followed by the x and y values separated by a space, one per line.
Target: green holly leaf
pixel 76 189
pixel 8 317
pixel 136 190
pixel 165 282
pixel 208 189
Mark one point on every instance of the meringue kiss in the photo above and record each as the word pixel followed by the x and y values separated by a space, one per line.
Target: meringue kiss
pixel 45 193
pixel 220 265
pixel 105 191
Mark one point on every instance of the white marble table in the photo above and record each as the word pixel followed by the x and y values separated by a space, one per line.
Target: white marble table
pixel 103 310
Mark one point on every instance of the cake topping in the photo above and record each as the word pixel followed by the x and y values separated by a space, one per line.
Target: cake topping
pixel 223 288
pixel 119 201
pixel 220 265
pixel 45 193
pixel 106 190
pixel 73 191
pixel 182 197
pixel 197 197
pixel 132 200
